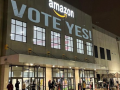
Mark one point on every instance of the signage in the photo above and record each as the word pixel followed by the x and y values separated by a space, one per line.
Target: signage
pixel 56 22
pixel 61 9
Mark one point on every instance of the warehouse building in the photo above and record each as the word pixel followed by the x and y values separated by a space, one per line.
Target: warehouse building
pixel 44 40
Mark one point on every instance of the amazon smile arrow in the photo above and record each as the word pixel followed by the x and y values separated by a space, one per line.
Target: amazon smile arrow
pixel 62 16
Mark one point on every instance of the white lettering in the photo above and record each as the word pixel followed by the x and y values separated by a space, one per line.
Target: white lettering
pixel 50 3
pixel 68 12
pixel 65 10
pixel 56 6
pixel 61 8
pixel 72 14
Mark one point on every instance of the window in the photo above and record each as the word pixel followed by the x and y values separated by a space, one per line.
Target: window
pixel 68 43
pixel 18 30
pixel 108 54
pixel 55 40
pixel 102 53
pixel 39 36
pixel 96 51
pixel 80 48
pixel 89 49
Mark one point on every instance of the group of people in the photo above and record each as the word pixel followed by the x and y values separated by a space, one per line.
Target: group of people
pixel 54 85
pixel 10 86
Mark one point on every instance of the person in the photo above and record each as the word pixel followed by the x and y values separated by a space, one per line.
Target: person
pixel 53 84
pixel 50 85
pixel 33 85
pixel 91 85
pixel 17 85
pixel 104 84
pixel 56 86
pixel 59 85
pixel 84 85
pixel 23 86
pixel 10 86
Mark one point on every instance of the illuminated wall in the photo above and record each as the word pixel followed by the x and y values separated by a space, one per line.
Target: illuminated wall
pixel 34 24
pixel 107 40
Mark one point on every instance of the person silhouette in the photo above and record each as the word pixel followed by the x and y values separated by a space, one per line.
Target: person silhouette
pixel 10 86
pixel 17 85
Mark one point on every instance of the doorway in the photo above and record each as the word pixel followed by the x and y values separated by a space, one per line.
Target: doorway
pixel 71 83
pixel 66 77
pixel 66 84
pixel 28 74
pixel 39 83
pixel 14 80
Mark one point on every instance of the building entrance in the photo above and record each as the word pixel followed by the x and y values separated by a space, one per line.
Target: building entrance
pixel 27 75
pixel 66 84
pixel 66 77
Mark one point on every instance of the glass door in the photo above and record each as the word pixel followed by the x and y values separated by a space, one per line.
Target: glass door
pixel 14 80
pixel 71 84
pixel 39 83
pixel 27 83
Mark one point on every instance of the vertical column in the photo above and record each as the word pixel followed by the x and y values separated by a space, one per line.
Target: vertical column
pixel 77 78
pixel 1 24
pixel 48 76
pixel 4 75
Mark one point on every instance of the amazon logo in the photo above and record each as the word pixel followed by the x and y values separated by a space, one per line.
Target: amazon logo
pixel 60 10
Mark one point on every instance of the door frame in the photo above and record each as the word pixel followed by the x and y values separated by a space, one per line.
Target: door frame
pixel 72 84
pixel 67 83
pixel 39 81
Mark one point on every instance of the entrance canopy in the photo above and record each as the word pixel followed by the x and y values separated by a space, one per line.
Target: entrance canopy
pixel 22 59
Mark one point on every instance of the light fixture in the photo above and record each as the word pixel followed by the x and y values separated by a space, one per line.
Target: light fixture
pixel 31 64
pixel 27 64
pixel 95 69
pixel 39 67
pixel 16 66
pixel 70 67
pixel 53 66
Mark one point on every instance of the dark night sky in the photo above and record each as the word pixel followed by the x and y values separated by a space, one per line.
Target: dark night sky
pixel 105 13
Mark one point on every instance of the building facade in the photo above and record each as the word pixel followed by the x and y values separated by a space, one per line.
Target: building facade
pixel 44 40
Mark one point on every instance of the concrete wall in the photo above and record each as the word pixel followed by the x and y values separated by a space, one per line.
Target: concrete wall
pixel 4 76
pixel 81 19
pixel 107 40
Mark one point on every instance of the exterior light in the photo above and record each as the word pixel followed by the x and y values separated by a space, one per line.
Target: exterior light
pixel 27 64
pixel 31 64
